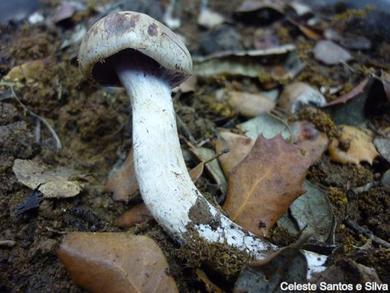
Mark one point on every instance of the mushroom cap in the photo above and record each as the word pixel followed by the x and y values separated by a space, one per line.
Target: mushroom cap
pixel 120 31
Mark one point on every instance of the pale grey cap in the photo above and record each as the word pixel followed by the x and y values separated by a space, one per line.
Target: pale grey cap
pixel 120 31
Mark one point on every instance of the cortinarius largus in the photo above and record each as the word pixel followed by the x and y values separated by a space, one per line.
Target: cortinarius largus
pixel 148 59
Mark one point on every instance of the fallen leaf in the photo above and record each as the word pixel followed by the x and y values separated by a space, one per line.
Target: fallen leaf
pixel 210 286
pixel 287 264
pixel 357 90
pixel 330 53
pixel 236 147
pixel 347 271
pixel 264 184
pixel 197 171
pixel 249 105
pixel 312 213
pixel 209 18
pixel 205 154
pixel 63 12
pixel 135 215
pixel 299 8
pixel 385 77
pixel 253 5
pixel 352 146
pixel 266 125
pixel 350 41
pixel 250 64
pixel 115 262
pixel 307 138
pixel 31 70
pixel 383 146
pixel 53 182
pixel 298 94
pixel 188 86
pixel 122 181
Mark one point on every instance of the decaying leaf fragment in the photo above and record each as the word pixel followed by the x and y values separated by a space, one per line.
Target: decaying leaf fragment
pixel 352 146
pixel 235 148
pixel 299 94
pixel 212 165
pixel 265 183
pixel 31 70
pixel 249 105
pixel 135 215
pixel 54 182
pixel 330 53
pixel 115 262
pixel 122 182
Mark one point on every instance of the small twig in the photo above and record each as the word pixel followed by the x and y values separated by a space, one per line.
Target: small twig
pixel 42 119
pixel 184 127
pixel 353 225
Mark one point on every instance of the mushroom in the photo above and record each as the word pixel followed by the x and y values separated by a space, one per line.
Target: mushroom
pixel 148 59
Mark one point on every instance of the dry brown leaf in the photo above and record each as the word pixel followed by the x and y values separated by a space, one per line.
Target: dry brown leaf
pixel 115 262
pixel 188 86
pixel 265 183
pixel 297 94
pixel 352 146
pixel 30 70
pixel 123 182
pixel 236 147
pixel 249 105
pixel 357 90
pixel 312 142
pixel 197 171
pixel 210 286
pixel 53 182
pixel 135 215
pixel 330 53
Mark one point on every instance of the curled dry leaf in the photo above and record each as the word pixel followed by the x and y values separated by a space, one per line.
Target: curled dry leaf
pixel 122 181
pixel 53 182
pixel 115 262
pixel 249 105
pixel 209 286
pixel 264 184
pixel 235 148
pixel 266 125
pixel 330 53
pixel 204 155
pixel 385 78
pixel 27 71
pixel 312 142
pixel 298 94
pixel 249 6
pixel 383 146
pixel 352 146
pixel 357 90
pixel 135 215
pixel 209 18
pixel 189 85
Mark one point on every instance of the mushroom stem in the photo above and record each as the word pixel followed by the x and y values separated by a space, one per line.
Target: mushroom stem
pixel 164 182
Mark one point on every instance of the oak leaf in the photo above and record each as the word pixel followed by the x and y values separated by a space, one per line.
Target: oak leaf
pixel 234 147
pixel 264 184
pixel 352 146
pixel 115 262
